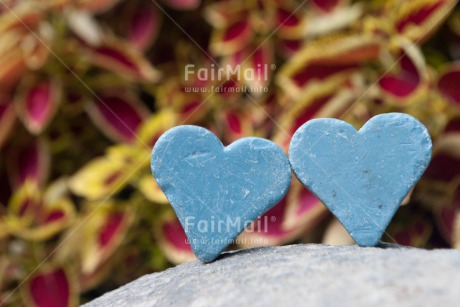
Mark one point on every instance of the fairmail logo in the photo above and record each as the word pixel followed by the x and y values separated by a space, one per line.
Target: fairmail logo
pixel 228 72
pixel 225 225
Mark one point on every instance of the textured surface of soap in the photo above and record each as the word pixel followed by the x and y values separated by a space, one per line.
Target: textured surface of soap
pixel 217 191
pixel 361 176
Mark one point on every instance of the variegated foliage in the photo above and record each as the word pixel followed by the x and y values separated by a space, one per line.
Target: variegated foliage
pixel 87 87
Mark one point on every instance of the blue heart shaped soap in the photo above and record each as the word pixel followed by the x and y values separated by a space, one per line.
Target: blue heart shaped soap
pixel 217 191
pixel 361 176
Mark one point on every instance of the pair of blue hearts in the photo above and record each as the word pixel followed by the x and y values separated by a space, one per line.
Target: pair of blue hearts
pixel 361 176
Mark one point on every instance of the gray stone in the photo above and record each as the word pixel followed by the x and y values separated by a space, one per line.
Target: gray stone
pixel 302 275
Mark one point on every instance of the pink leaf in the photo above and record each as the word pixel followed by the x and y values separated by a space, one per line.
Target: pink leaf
pixel 312 69
pixel 405 83
pixel 418 20
pixel 123 59
pixel 443 167
pixel 175 235
pixel 232 39
pixel 414 234
pixel 54 216
pixel 410 227
pixel 446 216
pixel 448 84
pixel 288 23
pixel 191 110
pixel 328 105
pixel 286 18
pixel 319 72
pixel 118 116
pixel 29 163
pixel 143 26
pixel 37 103
pixel 303 210
pixel 268 229
pixel 287 48
pixel 111 227
pixel 103 234
pixel 327 6
pixel 173 240
pixel 235 125
pixel 260 61
pixel 234 122
pixel 112 231
pixel 50 288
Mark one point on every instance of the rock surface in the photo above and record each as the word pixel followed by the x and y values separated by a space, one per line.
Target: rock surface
pixel 302 275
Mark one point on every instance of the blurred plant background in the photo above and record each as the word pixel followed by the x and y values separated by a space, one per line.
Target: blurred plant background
pixel 87 87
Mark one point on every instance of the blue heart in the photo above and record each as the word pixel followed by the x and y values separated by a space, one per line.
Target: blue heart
pixel 361 176
pixel 217 191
